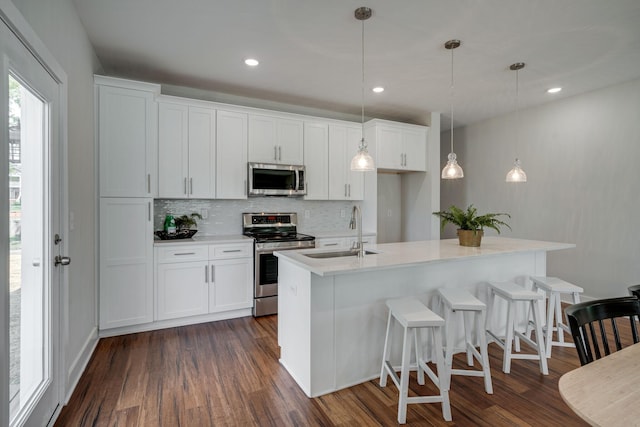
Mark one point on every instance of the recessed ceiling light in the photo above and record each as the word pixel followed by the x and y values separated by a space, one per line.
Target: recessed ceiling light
pixel 554 90
pixel 378 89
pixel 251 62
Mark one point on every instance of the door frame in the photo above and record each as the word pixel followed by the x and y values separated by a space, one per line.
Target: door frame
pixel 13 19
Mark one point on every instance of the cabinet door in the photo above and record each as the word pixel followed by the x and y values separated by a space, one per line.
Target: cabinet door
pixel 290 141
pixel 414 142
pixel 231 155
pixel 182 289
pixel 262 139
pixel 316 160
pixel 275 140
pixel 173 150
pixel 389 147
pixel 355 179
pixel 230 285
pixel 338 185
pixel 202 153
pixel 126 262
pixel 127 142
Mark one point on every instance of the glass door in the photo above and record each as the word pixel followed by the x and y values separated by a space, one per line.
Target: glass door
pixel 31 219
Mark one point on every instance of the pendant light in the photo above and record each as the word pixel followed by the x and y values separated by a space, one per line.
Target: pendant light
pixel 517 174
pixel 452 170
pixel 362 161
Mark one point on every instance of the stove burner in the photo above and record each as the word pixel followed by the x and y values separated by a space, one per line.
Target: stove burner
pixel 273 227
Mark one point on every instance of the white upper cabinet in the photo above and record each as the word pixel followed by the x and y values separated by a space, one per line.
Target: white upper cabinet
pixel 231 167
pixel 187 151
pixel 316 160
pixel 399 146
pixel 127 137
pixel 202 152
pixel 173 149
pixel 275 140
pixel 344 184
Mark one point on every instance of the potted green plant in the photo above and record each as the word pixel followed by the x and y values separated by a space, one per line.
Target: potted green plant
pixel 470 224
pixel 186 227
pixel 187 222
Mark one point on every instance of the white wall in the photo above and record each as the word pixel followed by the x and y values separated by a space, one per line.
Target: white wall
pixel 421 191
pixel 389 208
pixel 582 159
pixel 58 26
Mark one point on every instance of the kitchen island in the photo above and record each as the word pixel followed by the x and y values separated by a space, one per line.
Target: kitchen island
pixel 332 314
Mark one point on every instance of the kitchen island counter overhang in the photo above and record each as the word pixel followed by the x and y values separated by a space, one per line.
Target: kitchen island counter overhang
pixel 332 313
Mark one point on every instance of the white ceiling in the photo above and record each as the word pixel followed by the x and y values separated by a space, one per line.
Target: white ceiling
pixel 310 50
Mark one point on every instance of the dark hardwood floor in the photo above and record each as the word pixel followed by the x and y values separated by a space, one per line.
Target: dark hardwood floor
pixel 227 373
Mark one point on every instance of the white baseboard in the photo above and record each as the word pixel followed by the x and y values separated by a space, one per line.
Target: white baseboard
pixel 171 323
pixel 80 363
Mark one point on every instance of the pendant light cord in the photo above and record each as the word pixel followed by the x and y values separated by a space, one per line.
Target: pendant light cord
pixel 517 113
pixel 451 95
pixel 362 88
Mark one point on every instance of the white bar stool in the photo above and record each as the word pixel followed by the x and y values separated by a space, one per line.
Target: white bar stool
pixel 513 294
pixel 412 315
pixel 553 287
pixel 461 301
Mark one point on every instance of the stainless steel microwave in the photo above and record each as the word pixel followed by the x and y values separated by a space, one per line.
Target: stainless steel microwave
pixel 266 179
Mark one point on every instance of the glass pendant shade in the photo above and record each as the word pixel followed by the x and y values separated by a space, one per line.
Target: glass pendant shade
pixel 362 161
pixel 452 169
pixel 516 174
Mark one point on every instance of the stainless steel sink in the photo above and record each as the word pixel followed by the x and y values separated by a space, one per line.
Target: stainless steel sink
pixel 337 254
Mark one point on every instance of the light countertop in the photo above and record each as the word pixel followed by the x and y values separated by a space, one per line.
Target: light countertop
pixel 205 239
pixel 393 255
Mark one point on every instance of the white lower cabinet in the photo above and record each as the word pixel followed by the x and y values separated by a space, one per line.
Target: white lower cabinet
pixel 228 288
pixel 126 262
pixel 193 280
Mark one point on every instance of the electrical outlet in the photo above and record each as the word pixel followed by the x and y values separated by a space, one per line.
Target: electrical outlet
pixel 342 213
pixel 204 212
pixel 307 214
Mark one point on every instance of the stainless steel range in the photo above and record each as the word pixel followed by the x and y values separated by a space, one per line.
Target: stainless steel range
pixel 272 232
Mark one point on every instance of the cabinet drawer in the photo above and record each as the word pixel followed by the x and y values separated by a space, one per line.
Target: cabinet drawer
pixel 232 250
pixel 182 253
pixel 338 242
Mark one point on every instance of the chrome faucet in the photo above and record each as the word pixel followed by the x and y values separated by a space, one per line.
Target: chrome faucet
pixel 356 224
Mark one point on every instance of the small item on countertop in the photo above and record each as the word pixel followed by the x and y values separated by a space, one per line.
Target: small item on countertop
pixel 170 224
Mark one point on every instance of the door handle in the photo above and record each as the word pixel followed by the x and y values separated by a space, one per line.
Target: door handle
pixel 279 152
pixel 275 152
pixel 191 186
pixel 206 274
pixel 61 260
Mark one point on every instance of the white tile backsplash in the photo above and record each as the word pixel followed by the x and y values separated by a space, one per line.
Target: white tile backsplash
pixel 222 217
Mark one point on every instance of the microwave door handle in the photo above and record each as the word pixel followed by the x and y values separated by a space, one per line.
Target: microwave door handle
pixel 297 183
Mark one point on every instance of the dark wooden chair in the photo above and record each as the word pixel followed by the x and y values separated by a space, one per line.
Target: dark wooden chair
pixel 584 317
pixel 634 290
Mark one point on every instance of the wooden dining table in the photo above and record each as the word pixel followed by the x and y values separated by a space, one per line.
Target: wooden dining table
pixel 606 392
